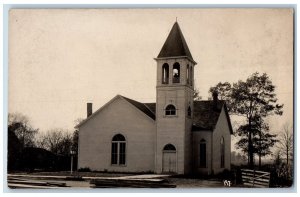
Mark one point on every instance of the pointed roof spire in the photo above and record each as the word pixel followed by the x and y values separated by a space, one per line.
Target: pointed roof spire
pixel 175 44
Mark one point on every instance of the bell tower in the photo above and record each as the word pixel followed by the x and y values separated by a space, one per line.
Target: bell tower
pixel 174 104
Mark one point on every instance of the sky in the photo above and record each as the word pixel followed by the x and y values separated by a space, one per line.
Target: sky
pixel 61 59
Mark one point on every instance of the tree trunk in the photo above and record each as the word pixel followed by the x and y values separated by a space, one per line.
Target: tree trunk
pixel 250 147
pixel 287 157
pixel 259 154
pixel 250 151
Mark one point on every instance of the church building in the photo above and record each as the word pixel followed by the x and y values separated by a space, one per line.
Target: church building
pixel 173 135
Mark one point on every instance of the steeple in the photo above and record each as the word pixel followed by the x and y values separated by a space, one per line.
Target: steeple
pixel 175 45
pixel 174 104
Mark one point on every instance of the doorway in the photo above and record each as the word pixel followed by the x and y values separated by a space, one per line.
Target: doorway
pixel 169 159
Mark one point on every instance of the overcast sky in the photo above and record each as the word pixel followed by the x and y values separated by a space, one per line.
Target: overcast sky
pixel 61 59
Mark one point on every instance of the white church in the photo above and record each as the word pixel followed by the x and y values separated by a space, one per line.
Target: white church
pixel 173 135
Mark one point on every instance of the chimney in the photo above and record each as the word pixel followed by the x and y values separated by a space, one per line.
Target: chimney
pixel 89 109
pixel 215 99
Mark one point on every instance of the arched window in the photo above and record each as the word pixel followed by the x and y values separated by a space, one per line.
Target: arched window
pixel 118 150
pixel 170 110
pixel 169 147
pixel 222 146
pixel 189 111
pixel 202 163
pixel 187 74
pixel 176 73
pixel 165 74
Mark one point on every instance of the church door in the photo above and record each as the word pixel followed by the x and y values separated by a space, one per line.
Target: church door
pixel 169 159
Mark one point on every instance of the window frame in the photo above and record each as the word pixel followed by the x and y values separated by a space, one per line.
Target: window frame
pixel 118 156
pixel 187 74
pixel 176 66
pixel 189 112
pixel 165 73
pixel 201 163
pixel 191 76
pixel 171 112
pixel 222 152
pixel 169 148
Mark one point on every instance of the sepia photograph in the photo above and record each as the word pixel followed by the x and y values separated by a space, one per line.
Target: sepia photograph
pixel 150 98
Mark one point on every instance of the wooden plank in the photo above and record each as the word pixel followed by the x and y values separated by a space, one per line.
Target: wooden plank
pixel 247 175
pixel 25 186
pixel 266 176
pixel 57 184
pixel 248 184
pixel 247 178
pixel 262 180
pixel 256 171
pixel 263 185
pixel 247 170
pixel 36 176
pixel 256 181
pixel 27 182
pixel 37 183
pixel 139 183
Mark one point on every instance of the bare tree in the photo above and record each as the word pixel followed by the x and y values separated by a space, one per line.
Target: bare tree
pixel 285 143
pixel 57 141
pixel 76 135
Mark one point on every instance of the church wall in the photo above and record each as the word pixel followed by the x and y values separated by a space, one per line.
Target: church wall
pixel 222 129
pixel 173 129
pixel 197 137
pixel 117 117
pixel 170 130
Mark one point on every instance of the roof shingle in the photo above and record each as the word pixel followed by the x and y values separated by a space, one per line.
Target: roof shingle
pixel 206 115
pixel 175 45
pixel 141 106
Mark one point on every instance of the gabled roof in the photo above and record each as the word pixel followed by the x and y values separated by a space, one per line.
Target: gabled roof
pixel 152 107
pixel 206 115
pixel 138 105
pixel 141 106
pixel 175 45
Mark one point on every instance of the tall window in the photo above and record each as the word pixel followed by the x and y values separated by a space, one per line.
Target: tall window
pixel 118 150
pixel 187 74
pixel 191 75
pixel 176 73
pixel 222 146
pixel 165 74
pixel 189 111
pixel 170 110
pixel 202 154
